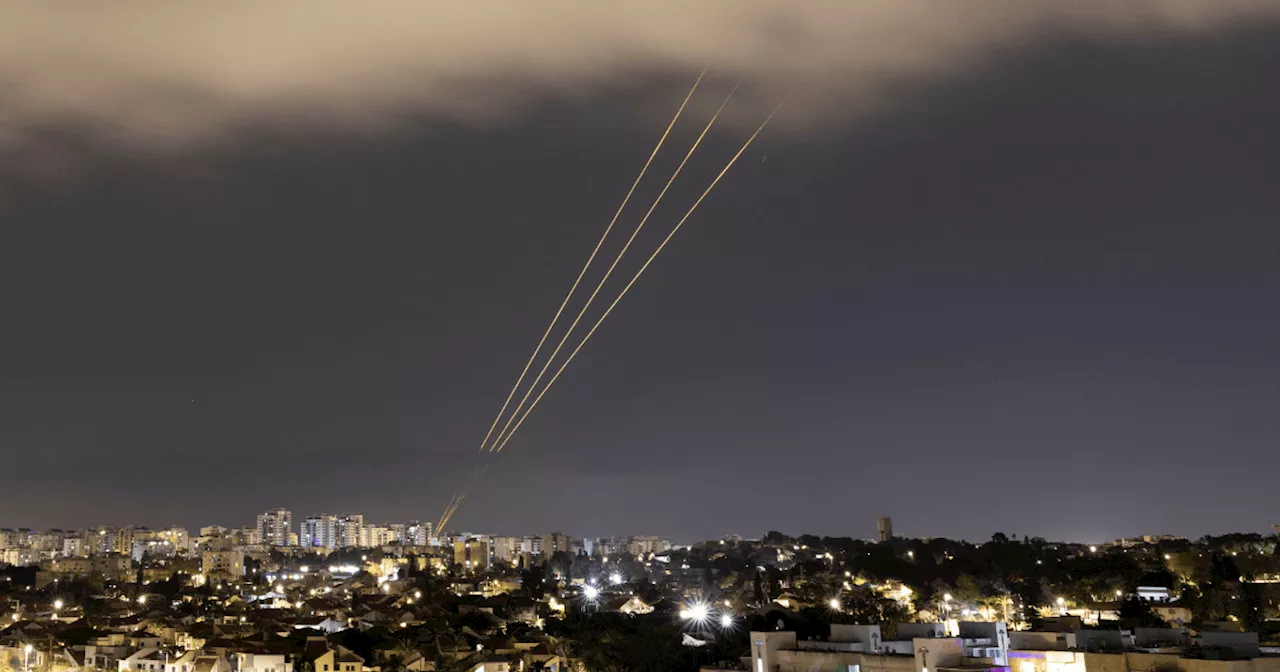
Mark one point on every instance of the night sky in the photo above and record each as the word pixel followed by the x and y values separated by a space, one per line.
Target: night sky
pixel 1030 284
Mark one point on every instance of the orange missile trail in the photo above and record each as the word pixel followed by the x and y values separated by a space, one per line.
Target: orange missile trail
pixel 568 332
pixel 454 503
pixel 444 512
pixel 587 265
pixel 452 510
pixel 458 499
pixel 635 277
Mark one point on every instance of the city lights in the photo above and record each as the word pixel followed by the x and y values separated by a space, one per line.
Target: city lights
pixel 726 621
pixel 697 612
pixel 591 593
pixel 615 578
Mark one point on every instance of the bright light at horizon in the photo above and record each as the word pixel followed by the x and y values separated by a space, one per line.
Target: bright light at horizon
pixel 591 592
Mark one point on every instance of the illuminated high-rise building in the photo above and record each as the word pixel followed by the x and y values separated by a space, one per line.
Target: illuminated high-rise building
pixel 275 527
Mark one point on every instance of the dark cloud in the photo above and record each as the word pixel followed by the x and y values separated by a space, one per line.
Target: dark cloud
pixel 154 76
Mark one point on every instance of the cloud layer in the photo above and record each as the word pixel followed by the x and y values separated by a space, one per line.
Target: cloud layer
pixel 173 72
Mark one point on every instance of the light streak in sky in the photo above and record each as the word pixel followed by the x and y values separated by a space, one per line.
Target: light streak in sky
pixel 590 259
pixel 609 272
pixel 638 273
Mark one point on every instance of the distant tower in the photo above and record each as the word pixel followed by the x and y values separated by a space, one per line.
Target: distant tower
pixel 275 527
pixel 884 525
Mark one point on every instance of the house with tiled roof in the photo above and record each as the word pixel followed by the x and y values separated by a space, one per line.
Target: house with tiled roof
pixel 209 663
pixel 326 658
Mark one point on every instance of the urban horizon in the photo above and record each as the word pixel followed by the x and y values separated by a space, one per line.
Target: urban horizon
pixel 401 531
pixel 582 336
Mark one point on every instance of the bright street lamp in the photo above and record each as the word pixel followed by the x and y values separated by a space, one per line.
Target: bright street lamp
pixel 698 612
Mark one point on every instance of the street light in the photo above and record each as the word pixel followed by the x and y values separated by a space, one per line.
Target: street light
pixel 698 612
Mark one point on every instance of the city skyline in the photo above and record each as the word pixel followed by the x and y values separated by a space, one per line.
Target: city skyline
pixel 310 532
pixel 1012 269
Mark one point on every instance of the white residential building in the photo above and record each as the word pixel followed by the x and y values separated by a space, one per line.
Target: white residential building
pixel 275 527
pixel 263 662
pixel 320 531
pixel 349 528
pixel 417 534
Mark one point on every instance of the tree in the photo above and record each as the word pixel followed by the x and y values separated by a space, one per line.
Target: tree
pixel 534 580
pixel 1223 569
pixel 1249 608
pixel 1135 612
pixel 775 538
